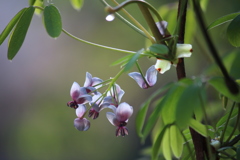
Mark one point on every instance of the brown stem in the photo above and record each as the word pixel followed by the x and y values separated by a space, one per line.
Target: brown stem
pixel 200 142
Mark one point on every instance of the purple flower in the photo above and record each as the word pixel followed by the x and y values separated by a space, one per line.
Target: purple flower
pixel 96 107
pixel 79 95
pixel 114 96
pixel 91 83
pixel 119 117
pixel 148 81
pixel 81 123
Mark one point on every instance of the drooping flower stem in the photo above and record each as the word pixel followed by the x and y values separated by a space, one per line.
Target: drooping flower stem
pixel 231 84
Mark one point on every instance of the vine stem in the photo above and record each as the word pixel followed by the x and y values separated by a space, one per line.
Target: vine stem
pixel 97 45
pixel 198 140
pixel 230 83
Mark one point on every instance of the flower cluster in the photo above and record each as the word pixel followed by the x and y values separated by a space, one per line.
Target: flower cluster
pixel 88 94
pixel 162 65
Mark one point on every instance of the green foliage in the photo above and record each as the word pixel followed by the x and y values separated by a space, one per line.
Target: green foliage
pixel 219 84
pixel 176 141
pixel 189 100
pixel 159 49
pixel 18 35
pixel 77 4
pixel 198 127
pixel 141 115
pixel 122 60
pixel 223 20
pixel 233 32
pixel 10 25
pixel 132 60
pixel 52 21
pixel 158 142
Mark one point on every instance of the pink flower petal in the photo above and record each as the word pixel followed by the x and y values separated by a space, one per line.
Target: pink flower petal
pixel 80 111
pixel 88 80
pixel 112 118
pixel 81 124
pixel 75 90
pixel 151 76
pixel 139 79
pixel 124 112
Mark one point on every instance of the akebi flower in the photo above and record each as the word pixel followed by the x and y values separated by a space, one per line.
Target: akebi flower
pixel 119 117
pixel 79 95
pixel 149 80
pixel 183 50
pixel 114 96
pixel 91 83
pixel 97 106
pixel 81 123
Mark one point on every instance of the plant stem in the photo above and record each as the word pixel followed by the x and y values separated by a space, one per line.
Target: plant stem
pixel 236 125
pixel 226 124
pixel 231 84
pixel 140 29
pixel 198 140
pixel 95 44
pixel 151 23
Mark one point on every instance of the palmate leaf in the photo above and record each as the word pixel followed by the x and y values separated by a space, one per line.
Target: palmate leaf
pixel 10 25
pixel 77 4
pixel 19 33
pixel 233 32
pixel 52 21
pixel 223 20
pixel 141 115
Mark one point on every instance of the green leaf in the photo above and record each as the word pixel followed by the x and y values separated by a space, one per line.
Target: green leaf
pixel 158 142
pixel 176 141
pixel 39 3
pixel 77 4
pixel 166 145
pixel 223 120
pixel 31 2
pixel 10 25
pixel 223 20
pixel 159 48
pixel 219 84
pixel 233 32
pixel 141 115
pixel 133 59
pixel 121 60
pixel 171 100
pixel 19 33
pixel 52 21
pixel 198 127
pixel 189 100
pixel 238 152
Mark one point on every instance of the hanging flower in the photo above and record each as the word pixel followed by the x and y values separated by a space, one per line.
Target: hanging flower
pixel 148 81
pixel 81 123
pixel 79 95
pixel 91 83
pixel 183 50
pixel 119 117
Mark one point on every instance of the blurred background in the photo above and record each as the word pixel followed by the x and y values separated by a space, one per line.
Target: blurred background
pixel 35 122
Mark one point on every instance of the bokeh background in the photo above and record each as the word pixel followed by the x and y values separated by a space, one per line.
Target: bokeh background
pixel 35 122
